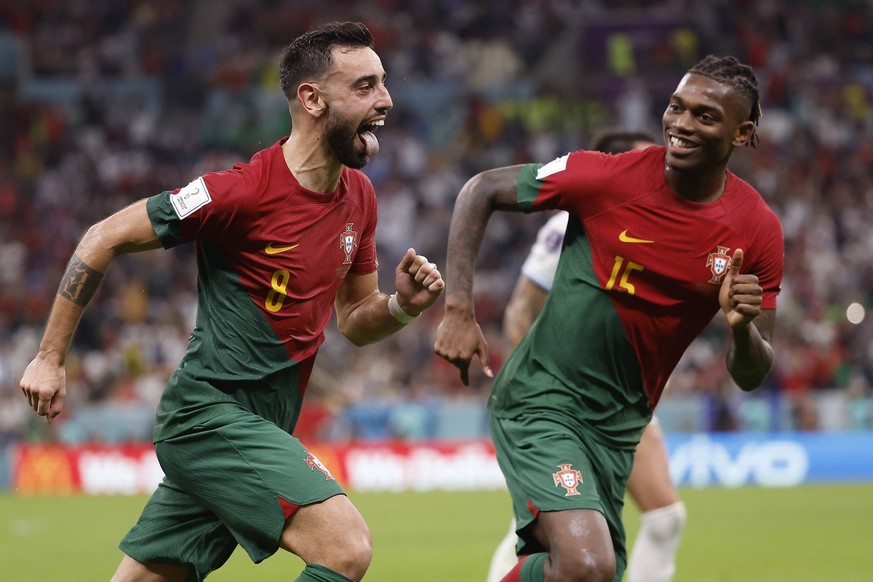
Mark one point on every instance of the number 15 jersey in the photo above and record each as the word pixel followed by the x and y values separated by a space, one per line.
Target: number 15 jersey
pixel 638 279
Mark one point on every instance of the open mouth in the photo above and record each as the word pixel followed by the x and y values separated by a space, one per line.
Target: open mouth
pixel 678 142
pixel 368 138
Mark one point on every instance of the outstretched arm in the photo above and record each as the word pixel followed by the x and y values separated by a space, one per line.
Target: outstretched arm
pixel 459 337
pixel 366 315
pixel 129 230
pixel 750 355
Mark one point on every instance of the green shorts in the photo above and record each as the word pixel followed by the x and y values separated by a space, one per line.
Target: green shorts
pixel 549 465
pixel 234 480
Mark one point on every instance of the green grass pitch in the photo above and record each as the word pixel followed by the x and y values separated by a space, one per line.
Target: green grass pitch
pixel 802 534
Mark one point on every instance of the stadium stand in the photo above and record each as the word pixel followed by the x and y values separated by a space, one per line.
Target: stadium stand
pixel 102 103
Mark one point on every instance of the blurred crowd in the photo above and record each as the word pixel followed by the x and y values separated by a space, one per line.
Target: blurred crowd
pixel 104 102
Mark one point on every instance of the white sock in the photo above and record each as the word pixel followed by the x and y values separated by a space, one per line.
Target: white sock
pixel 504 558
pixel 653 558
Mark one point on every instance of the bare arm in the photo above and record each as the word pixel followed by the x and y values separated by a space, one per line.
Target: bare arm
pixel 127 231
pixel 363 315
pixel 750 355
pixel 524 306
pixel 459 337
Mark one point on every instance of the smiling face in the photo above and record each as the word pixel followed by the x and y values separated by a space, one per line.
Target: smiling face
pixel 357 103
pixel 703 123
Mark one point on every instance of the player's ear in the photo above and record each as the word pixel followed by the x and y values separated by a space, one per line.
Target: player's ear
pixel 311 99
pixel 744 133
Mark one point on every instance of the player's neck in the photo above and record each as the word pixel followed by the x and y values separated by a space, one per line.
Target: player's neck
pixel 312 163
pixel 700 188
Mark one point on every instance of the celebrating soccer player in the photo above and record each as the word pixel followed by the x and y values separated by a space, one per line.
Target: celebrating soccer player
pixel 280 242
pixel 658 240
pixel 653 557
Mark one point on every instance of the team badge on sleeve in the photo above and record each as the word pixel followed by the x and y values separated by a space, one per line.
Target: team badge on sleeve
pixel 718 264
pixel 568 478
pixel 190 198
pixel 553 167
pixel 314 463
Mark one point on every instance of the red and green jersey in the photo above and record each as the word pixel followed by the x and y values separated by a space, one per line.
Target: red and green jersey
pixel 271 257
pixel 637 281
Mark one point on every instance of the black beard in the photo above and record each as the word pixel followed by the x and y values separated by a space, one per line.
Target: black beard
pixel 343 141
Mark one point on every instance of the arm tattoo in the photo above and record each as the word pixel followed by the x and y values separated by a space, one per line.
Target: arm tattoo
pixel 80 282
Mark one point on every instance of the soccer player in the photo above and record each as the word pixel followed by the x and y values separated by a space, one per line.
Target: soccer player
pixel 658 240
pixel 653 558
pixel 280 242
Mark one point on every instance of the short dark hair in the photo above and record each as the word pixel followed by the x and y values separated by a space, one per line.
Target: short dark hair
pixel 616 142
pixel 731 72
pixel 309 55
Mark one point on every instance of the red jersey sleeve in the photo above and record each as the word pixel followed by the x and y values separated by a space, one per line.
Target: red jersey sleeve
pixel 208 208
pixel 765 256
pixel 366 260
pixel 581 182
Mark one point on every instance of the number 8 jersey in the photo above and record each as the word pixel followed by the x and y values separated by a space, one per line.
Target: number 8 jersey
pixel 271 257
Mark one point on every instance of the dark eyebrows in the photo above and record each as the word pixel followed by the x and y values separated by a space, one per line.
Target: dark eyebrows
pixel 368 79
pixel 697 107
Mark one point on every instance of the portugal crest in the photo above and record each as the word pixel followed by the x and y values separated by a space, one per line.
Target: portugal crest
pixel 718 264
pixel 348 242
pixel 568 478
pixel 314 463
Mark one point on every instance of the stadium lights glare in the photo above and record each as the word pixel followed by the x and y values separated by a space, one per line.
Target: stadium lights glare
pixel 855 313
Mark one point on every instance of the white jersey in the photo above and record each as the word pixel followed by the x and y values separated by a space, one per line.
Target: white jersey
pixel 542 262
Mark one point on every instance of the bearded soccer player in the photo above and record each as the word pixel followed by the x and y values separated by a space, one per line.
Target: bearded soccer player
pixel 658 240
pixel 280 242
pixel 662 513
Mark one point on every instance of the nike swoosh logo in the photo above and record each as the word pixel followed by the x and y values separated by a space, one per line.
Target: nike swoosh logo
pixel 271 250
pixel 623 237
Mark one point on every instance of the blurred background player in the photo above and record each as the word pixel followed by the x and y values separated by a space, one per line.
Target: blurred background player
pixel 662 519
